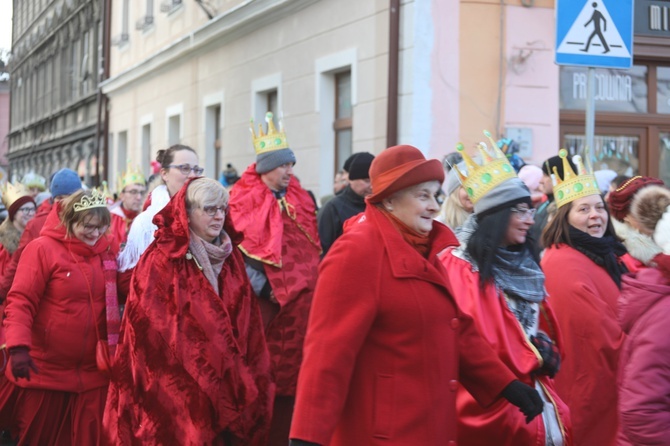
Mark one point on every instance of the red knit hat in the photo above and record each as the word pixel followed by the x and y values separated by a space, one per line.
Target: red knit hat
pixel 620 200
pixel 399 167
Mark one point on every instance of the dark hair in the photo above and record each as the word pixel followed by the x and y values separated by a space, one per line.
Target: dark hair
pixel 486 240
pixel 558 229
pixel 166 156
pixel 619 180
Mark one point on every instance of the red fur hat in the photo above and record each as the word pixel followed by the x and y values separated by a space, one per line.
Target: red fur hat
pixel 620 200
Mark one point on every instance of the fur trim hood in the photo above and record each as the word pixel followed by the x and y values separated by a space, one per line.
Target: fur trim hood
pixel 638 245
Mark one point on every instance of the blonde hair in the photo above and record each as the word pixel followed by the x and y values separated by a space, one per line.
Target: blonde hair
pixel 69 218
pixel 203 192
pixel 453 213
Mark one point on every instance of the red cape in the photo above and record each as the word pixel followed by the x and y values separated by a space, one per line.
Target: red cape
pixel 191 363
pixel 256 214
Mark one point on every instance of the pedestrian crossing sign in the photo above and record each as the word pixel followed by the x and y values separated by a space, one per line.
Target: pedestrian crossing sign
pixel 594 33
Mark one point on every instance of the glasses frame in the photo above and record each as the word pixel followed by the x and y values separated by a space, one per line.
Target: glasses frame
pixel 27 210
pixel 89 229
pixel 212 210
pixel 134 193
pixel 523 214
pixel 186 169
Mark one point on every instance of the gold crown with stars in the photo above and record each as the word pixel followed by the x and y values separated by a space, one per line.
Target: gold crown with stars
pixel 95 200
pixel 495 169
pixel 12 192
pixel 573 185
pixel 272 139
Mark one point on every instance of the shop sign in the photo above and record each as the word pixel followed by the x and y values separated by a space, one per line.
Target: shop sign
pixel 615 90
pixel 652 18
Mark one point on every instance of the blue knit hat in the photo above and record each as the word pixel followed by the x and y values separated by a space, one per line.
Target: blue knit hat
pixel 65 182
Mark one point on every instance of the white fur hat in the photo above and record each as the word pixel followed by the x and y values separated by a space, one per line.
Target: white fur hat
pixel 651 208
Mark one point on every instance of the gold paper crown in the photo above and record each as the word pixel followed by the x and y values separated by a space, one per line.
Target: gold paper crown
pixel 96 200
pixel 270 141
pixel 12 192
pixel 573 186
pixel 129 177
pixel 104 190
pixel 495 169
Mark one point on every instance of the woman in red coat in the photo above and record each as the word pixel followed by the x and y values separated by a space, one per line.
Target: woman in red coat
pixel 583 266
pixel 192 367
pixel 496 279
pixel 386 344
pixel 61 304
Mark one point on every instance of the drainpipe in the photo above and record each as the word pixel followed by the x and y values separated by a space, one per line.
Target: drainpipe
pixel 394 50
pixel 101 128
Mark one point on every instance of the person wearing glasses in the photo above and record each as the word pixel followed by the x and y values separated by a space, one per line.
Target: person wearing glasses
pixel 21 209
pixel 192 366
pixel 281 249
pixel 61 307
pixel 496 278
pixel 178 164
pixel 584 263
pixel 132 189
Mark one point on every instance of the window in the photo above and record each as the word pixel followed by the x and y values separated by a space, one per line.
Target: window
pixel 74 69
pixel 146 21
pixel 122 152
pixel 146 147
pixel 343 119
pixel 174 136
pixel 266 97
pixel 213 124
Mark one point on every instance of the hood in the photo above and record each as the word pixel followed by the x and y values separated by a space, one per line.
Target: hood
pixel 639 292
pixel 173 235
pixel 638 245
pixel 54 229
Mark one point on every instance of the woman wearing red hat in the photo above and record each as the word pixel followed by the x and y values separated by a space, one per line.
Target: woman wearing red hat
pixel 639 245
pixel 385 341
pixel 583 264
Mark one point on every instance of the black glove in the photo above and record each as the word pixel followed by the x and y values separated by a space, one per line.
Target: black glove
pixel 296 442
pixel 21 362
pixel 525 398
pixel 550 357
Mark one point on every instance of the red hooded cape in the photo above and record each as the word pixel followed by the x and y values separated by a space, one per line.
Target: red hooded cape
pixel 190 364
pixel 283 235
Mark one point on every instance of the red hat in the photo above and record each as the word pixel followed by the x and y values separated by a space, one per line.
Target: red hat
pixel 619 201
pixel 399 167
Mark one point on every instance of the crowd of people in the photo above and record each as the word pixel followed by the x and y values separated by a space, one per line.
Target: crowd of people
pixel 475 301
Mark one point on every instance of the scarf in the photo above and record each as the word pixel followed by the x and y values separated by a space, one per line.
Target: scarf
pixel 518 275
pixel 210 256
pixel 418 241
pixel 604 252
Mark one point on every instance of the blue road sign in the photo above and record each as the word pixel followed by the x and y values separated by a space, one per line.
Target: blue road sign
pixel 594 33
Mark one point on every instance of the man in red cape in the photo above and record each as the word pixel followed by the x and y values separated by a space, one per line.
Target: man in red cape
pixel 281 246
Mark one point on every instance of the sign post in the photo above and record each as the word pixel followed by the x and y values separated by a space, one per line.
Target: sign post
pixel 594 33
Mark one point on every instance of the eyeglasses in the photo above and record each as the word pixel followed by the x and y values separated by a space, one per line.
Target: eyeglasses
pixel 90 229
pixel 186 168
pixel 27 210
pixel 524 213
pixel 135 192
pixel 212 210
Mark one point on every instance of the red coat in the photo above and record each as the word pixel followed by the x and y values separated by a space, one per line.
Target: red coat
pixel 584 298
pixel 30 233
pixel 498 324
pixel 49 309
pixel 386 345
pixel 191 363
pixel 644 367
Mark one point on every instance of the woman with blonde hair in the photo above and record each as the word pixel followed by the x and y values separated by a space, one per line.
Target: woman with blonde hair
pixel 457 207
pixel 192 367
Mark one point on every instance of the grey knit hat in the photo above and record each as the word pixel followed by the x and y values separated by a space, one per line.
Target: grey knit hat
pixel 453 181
pixel 507 193
pixel 268 161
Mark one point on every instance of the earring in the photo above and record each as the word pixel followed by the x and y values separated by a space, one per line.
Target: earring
pixel 389 208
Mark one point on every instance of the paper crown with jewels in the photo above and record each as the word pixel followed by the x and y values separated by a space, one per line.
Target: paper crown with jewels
pixel 270 141
pixel 31 179
pixel 573 185
pixel 129 177
pixel 12 192
pixel 495 169
pixel 95 200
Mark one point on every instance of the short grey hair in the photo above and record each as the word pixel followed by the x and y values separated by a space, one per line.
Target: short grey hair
pixel 203 192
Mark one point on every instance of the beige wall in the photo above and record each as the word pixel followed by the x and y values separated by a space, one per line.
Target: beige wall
pixel 294 48
pixel 500 89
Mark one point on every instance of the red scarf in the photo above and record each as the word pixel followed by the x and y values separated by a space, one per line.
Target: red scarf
pixel 419 242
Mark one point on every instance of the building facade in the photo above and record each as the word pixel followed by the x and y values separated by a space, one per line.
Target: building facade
pixel 55 68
